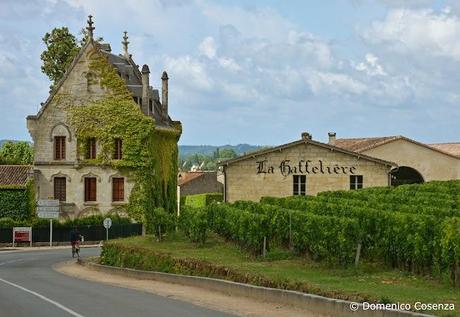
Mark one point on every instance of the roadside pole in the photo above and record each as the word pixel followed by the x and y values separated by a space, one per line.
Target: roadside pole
pixel 51 232
pixel 49 209
pixel 107 224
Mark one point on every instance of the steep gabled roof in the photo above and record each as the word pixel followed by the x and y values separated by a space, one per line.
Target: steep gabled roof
pixel 361 145
pixel 306 141
pixel 14 175
pixel 61 81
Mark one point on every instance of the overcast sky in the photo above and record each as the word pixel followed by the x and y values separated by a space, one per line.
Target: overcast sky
pixel 261 72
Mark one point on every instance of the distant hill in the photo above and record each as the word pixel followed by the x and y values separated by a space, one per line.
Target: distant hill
pixel 187 150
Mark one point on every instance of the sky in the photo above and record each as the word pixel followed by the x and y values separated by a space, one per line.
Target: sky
pixel 261 72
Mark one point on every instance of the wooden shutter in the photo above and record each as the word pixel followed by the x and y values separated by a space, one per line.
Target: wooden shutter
pixel 90 189
pixel 59 147
pixel 60 188
pixel 117 155
pixel 91 148
pixel 118 189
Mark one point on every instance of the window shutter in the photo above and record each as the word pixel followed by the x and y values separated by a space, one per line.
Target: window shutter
pixel 60 188
pixel 118 189
pixel 59 147
pixel 117 155
pixel 90 189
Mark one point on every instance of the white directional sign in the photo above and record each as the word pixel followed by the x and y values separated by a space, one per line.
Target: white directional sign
pixel 107 223
pixel 48 209
pixel 48 214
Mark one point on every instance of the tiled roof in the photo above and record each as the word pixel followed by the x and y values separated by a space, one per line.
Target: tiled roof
pixel 452 148
pixel 362 144
pixel 14 174
pixel 188 176
pixel 332 147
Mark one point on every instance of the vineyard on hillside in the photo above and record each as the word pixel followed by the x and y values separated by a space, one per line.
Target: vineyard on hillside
pixel 412 227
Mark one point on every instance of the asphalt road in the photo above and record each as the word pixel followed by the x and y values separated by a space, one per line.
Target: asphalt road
pixel 30 287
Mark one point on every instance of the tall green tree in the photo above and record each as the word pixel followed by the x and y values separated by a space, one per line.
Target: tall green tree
pixel 61 48
pixel 16 153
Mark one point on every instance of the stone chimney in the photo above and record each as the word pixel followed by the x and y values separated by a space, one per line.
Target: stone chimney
pixel 145 89
pixel 331 137
pixel 164 94
pixel 306 136
pixel 125 45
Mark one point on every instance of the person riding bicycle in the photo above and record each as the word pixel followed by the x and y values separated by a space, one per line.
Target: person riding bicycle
pixel 75 239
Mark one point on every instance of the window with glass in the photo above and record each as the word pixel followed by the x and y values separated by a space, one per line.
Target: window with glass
pixel 300 184
pixel 356 181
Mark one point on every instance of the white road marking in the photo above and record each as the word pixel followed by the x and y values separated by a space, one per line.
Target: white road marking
pixel 46 299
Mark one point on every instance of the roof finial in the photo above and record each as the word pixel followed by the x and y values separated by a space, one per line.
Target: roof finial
pixel 90 28
pixel 125 44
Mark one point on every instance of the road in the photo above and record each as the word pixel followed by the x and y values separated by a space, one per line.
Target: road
pixel 30 287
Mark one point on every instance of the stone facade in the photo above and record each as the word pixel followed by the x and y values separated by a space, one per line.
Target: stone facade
pixel 204 182
pixel 78 86
pixel 431 164
pixel 329 168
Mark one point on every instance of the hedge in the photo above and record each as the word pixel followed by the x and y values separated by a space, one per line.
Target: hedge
pixel 17 202
pixel 202 200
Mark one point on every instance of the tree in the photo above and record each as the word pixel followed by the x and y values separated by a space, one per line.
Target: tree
pixel 61 48
pixel 16 153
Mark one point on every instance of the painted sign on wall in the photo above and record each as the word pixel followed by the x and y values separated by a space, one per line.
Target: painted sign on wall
pixel 288 167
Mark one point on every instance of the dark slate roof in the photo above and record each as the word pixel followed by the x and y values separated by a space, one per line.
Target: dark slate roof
pixel 14 174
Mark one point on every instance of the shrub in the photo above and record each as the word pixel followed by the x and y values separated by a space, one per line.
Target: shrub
pixel 202 200
pixel 158 222
pixel 194 223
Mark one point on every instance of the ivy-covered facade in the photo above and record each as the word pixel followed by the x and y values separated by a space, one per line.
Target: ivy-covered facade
pixel 104 141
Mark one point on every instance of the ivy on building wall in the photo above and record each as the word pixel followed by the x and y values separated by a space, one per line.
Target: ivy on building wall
pixel 17 202
pixel 149 153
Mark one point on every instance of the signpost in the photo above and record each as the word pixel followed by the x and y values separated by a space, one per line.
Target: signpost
pixel 107 224
pixel 48 209
pixel 22 234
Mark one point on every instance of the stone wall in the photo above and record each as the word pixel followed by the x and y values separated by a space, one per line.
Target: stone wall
pixel 431 164
pixel 243 182
pixel 206 183
pixel 75 205
pixel 51 122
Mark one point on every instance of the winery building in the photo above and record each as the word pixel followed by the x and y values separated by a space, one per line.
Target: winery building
pixel 302 167
pixel 307 167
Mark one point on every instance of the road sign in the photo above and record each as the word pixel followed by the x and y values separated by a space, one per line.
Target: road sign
pixel 107 223
pixel 48 214
pixel 48 208
pixel 48 202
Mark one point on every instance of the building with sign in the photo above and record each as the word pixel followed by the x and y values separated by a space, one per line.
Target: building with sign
pixel 63 169
pixel 303 167
pixel 417 162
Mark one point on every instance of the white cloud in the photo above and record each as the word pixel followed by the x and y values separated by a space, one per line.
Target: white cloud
pixel 418 32
pixel 371 66
pixel 208 47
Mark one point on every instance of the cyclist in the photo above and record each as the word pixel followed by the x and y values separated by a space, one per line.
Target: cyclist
pixel 75 238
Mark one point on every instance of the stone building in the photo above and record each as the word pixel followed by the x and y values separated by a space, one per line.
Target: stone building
pixel 192 183
pixel 84 189
pixel 303 167
pixel 417 162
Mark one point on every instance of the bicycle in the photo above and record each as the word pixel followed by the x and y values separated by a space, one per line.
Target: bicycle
pixel 76 249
